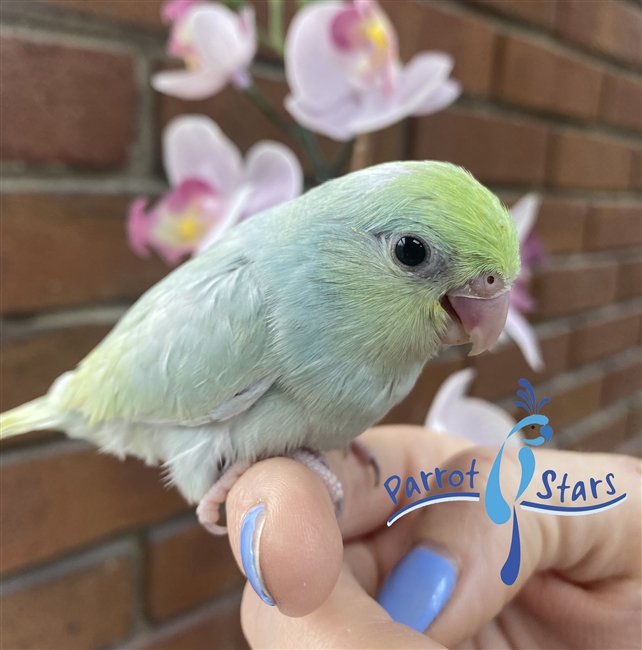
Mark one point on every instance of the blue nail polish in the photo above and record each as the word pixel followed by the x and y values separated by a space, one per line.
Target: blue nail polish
pixel 250 538
pixel 418 588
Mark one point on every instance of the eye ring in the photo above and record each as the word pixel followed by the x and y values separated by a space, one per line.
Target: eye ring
pixel 411 251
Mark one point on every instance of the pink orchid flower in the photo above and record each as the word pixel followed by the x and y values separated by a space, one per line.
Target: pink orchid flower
pixel 216 44
pixel 212 189
pixel 342 65
pixel 481 422
pixel 524 214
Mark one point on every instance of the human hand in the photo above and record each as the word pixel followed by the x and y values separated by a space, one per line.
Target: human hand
pixel 438 567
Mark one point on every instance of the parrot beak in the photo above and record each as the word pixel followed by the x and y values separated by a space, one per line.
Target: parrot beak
pixel 477 312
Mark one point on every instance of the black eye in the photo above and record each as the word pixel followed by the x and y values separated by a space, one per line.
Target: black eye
pixel 410 251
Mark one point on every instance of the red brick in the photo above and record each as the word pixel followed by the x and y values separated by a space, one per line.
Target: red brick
pixel 622 101
pixel 191 552
pixel 613 225
pixel 560 225
pixel 69 250
pixel 540 12
pixel 86 608
pixel 494 149
pixel 613 27
pixel 217 628
pixel 28 367
pixel 574 401
pixel 624 379
pixel 604 438
pixel 574 288
pixel 634 422
pixel 414 408
pixel 498 371
pixel 66 105
pixel 635 182
pixel 56 501
pixel 145 13
pixel 629 280
pixel 589 161
pixel 602 338
pixel 470 40
pixel 544 78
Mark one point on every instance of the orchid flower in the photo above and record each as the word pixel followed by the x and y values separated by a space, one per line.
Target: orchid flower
pixel 212 189
pixel 474 419
pixel 524 214
pixel 216 44
pixel 342 65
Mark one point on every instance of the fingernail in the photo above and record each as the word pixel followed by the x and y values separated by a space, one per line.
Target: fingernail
pixel 418 588
pixel 250 543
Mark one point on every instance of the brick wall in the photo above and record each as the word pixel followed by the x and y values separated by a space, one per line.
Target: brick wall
pixel 97 553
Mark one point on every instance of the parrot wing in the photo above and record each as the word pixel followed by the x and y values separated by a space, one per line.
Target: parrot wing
pixel 193 349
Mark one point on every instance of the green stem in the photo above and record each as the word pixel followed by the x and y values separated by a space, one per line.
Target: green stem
pixel 345 153
pixel 267 109
pixel 304 137
pixel 275 8
pixel 309 142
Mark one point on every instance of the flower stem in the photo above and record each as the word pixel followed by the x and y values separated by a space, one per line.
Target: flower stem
pixel 276 26
pixel 345 153
pixel 304 137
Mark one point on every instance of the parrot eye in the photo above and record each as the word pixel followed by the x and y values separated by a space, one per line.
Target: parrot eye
pixel 410 251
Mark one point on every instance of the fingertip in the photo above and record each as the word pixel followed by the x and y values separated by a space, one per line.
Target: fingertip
pixel 284 535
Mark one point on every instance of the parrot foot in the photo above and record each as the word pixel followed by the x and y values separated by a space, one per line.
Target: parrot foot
pixel 315 461
pixel 366 457
pixel 208 507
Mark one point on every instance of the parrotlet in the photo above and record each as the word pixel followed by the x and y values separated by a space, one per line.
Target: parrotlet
pixel 296 332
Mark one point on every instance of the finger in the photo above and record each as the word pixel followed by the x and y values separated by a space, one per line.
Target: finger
pixel 593 549
pixel 348 619
pixel 293 546
pixel 401 451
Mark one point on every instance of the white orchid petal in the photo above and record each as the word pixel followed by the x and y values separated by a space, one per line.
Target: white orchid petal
pixel 477 420
pixel 311 65
pixel 195 147
pixel 453 389
pixel 422 78
pixel 524 214
pixel 275 175
pixel 188 84
pixel 440 98
pixel 219 39
pixel 232 215
pixel 248 31
pixel 483 423
pixel 334 122
pixel 521 331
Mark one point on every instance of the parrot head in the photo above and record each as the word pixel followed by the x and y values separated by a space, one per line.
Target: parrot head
pixel 426 254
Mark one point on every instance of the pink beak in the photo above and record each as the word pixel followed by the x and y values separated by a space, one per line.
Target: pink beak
pixel 477 312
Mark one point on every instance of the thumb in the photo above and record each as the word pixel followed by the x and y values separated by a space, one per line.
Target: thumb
pixel 579 552
pixel 349 618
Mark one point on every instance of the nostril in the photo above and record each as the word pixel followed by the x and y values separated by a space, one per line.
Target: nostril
pixel 490 279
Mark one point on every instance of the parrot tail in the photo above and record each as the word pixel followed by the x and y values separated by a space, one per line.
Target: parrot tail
pixel 32 416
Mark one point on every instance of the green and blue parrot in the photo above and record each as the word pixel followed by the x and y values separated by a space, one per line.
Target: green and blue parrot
pixel 297 331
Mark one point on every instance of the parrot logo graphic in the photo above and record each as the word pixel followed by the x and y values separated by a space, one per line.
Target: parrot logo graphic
pixel 497 507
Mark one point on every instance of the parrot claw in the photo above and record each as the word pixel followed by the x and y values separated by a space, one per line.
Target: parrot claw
pixel 366 457
pixel 208 507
